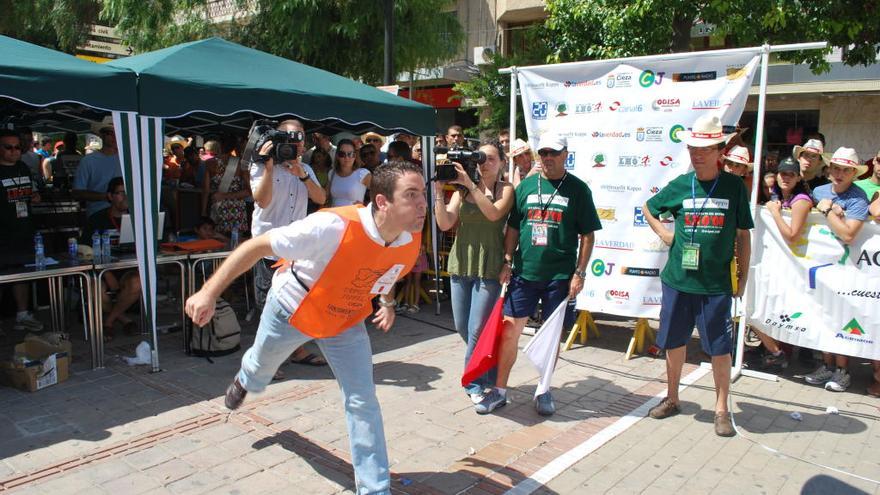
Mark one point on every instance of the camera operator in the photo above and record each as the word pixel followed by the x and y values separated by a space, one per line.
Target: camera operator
pixel 281 195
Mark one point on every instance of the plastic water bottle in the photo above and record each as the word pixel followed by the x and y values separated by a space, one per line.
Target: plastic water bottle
pixel 233 242
pixel 72 248
pixel 96 247
pixel 105 246
pixel 39 252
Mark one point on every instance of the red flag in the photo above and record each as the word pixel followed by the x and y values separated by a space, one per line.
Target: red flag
pixel 485 355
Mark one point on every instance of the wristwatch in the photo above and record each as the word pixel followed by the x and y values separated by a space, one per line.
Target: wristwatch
pixel 304 177
pixel 825 212
pixel 581 273
pixel 387 304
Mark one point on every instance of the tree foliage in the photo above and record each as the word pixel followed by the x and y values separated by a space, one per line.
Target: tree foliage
pixel 56 24
pixel 341 36
pixel 599 29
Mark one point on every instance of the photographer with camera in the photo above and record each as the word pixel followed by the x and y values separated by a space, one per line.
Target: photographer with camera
pixel 480 206
pixel 282 186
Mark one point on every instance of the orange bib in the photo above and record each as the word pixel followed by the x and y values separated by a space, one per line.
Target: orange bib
pixel 358 271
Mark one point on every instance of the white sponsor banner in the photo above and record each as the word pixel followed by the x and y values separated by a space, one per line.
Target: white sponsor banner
pixel 622 123
pixel 819 293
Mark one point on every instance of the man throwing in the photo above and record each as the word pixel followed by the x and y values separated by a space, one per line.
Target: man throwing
pixel 547 246
pixel 344 257
pixel 711 210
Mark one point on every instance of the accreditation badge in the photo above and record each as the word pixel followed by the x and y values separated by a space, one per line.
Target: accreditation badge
pixel 690 256
pixel 539 234
pixel 386 282
pixel 21 209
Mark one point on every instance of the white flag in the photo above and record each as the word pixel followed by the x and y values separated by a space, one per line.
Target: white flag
pixel 544 347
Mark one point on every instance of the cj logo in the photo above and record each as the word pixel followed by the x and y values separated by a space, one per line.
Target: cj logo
pixel 648 78
pixel 599 268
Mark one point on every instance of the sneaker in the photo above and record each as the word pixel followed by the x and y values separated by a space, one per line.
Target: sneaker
pixel 412 309
pixel 544 404
pixel 28 323
pixel 664 409
pixel 723 425
pixel 820 376
pixel 774 361
pixel 235 395
pixel 476 398
pixel 839 381
pixel 491 401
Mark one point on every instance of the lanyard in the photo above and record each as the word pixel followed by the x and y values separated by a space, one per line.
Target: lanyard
pixel 705 200
pixel 549 201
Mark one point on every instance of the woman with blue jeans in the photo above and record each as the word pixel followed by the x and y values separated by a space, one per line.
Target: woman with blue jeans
pixel 477 255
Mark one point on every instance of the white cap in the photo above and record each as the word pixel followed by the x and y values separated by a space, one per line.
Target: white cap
pixel 552 141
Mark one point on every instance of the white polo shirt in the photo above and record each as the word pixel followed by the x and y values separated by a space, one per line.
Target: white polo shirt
pixel 290 198
pixel 312 242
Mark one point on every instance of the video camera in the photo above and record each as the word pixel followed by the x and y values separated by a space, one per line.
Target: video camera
pixel 263 131
pixel 467 158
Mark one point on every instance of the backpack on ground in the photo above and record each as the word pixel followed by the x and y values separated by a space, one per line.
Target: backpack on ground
pixel 220 337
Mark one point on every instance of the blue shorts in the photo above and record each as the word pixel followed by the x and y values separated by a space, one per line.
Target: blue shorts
pixel 679 312
pixel 523 296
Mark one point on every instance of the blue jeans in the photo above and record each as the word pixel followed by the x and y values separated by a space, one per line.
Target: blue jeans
pixel 472 301
pixel 351 359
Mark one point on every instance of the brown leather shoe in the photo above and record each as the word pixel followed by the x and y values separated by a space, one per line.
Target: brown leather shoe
pixel 664 409
pixel 723 425
pixel 235 395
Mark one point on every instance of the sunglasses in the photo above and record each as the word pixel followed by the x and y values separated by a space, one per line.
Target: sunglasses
pixel 10 147
pixel 345 154
pixel 546 152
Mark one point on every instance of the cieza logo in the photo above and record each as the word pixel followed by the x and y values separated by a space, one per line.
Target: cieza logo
pixel 673 133
pixel 648 78
pixel 853 331
pixel 665 104
pixel 617 295
pixel 784 322
pixel 582 108
pixel 868 258
pixel 611 134
pixel 598 160
pixel 599 268
pixel 561 108
pixel 640 272
pixel 569 161
pixel 639 217
pixel 622 80
pixel 614 244
pixel 539 110
pixel 649 134
pixel 651 300
pixel 694 76
pixel 633 161
pixel 616 106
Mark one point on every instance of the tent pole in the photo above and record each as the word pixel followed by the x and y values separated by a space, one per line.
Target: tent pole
pixel 512 121
pixel 428 165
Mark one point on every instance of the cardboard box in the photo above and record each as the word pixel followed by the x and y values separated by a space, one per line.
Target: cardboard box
pixel 36 365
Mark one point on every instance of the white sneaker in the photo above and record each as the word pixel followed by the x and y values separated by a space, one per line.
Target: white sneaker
pixel 820 376
pixel 28 323
pixel 476 398
pixel 839 381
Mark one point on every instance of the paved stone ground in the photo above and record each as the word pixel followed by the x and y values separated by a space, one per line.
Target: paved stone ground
pixel 123 430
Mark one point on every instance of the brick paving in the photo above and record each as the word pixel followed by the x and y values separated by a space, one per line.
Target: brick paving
pixel 123 430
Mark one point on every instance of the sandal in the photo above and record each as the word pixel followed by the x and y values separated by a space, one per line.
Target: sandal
pixel 310 360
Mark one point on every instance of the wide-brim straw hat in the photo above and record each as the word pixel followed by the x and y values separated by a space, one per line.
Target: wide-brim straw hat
pixel 739 154
pixel 519 147
pixel 706 131
pixel 813 146
pixel 847 157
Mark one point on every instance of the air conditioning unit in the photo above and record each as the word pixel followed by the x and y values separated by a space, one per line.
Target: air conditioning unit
pixel 483 54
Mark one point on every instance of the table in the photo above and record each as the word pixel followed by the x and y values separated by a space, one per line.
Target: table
pixel 122 263
pixel 54 275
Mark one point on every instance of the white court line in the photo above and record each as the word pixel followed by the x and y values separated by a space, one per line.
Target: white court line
pixel 555 467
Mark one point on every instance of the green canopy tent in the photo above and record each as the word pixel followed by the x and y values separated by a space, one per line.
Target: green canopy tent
pixel 59 88
pixel 212 80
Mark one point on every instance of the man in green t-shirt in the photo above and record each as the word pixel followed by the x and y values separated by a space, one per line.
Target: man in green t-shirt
pixel 712 216
pixel 871 185
pixel 547 246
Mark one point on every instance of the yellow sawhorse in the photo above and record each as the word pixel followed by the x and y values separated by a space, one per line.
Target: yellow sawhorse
pixel 581 330
pixel 642 335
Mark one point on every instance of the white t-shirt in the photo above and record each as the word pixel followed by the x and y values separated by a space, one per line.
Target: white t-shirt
pixel 290 198
pixel 345 191
pixel 312 242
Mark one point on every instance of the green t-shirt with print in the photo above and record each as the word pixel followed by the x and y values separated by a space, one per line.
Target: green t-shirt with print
pixel 559 215
pixel 712 226
pixel 869 187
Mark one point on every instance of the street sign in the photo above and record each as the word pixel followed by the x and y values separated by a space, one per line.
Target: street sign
pixel 103 31
pixel 103 47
